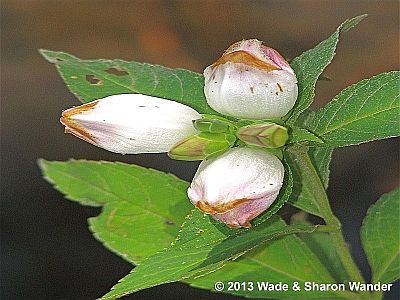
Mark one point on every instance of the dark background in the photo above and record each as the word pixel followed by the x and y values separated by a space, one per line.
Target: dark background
pixel 47 252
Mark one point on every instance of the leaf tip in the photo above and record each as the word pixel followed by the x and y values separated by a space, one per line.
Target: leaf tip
pixel 350 23
pixel 42 164
pixel 46 54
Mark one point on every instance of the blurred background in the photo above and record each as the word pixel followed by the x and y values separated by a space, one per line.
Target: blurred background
pixel 47 252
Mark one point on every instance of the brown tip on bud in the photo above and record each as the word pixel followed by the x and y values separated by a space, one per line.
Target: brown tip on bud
pixel 219 208
pixel 246 224
pixel 79 109
pixel 244 58
pixel 76 130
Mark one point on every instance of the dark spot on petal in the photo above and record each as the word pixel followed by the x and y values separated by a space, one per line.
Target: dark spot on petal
pixel 271 184
pixel 142 106
pixel 279 86
pixel 277 93
pixel 117 71
pixel 252 89
pixel 157 106
pixel 93 80
pixel 132 139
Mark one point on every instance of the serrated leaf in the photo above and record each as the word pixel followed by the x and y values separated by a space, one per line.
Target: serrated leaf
pixel 380 236
pixel 310 65
pixel 366 111
pixel 215 229
pixel 95 79
pixel 203 246
pixel 304 161
pixel 143 208
pixel 287 259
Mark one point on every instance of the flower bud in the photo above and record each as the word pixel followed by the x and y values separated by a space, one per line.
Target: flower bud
pixel 131 123
pixel 251 81
pixel 237 186
pixel 268 135
pixel 202 146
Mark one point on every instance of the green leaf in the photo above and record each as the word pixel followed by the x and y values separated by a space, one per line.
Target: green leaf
pixel 305 161
pixel 143 208
pixel 310 65
pixel 95 79
pixel 202 246
pixel 298 135
pixel 366 111
pixel 320 243
pixel 287 259
pixel 215 234
pixel 380 236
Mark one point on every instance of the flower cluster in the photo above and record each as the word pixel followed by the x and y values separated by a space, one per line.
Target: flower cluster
pixel 239 178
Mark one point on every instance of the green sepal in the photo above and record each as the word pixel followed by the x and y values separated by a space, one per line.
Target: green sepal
pixel 214 124
pixel 268 135
pixel 202 146
pixel 278 152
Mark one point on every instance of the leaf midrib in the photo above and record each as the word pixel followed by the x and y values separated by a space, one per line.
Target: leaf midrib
pixel 383 270
pixel 109 193
pixel 357 119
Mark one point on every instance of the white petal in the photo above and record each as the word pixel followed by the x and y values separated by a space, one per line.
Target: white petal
pixel 240 173
pixel 132 123
pixel 243 91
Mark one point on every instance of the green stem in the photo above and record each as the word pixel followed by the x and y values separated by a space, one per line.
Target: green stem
pixel 303 160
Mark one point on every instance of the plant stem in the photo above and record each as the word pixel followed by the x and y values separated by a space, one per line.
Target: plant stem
pixel 303 160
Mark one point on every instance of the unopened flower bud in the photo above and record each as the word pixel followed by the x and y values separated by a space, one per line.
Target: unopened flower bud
pixel 202 146
pixel 131 123
pixel 251 81
pixel 237 186
pixel 269 135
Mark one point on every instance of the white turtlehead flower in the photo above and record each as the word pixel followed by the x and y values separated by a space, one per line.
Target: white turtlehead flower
pixel 131 123
pixel 237 186
pixel 251 81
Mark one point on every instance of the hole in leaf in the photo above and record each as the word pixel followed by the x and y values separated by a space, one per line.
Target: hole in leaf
pixel 117 71
pixel 93 80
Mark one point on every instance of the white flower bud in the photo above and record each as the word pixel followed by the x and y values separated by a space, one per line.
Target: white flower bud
pixel 251 81
pixel 131 123
pixel 237 186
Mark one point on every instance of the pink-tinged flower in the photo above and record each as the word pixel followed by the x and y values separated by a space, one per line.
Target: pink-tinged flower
pixel 251 81
pixel 131 123
pixel 237 186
